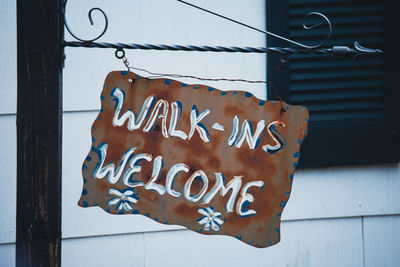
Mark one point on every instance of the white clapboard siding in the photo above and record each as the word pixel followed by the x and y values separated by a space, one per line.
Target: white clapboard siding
pixel 304 243
pixel 168 22
pixel 8 57
pixel 344 192
pixel 7 255
pixel 314 243
pixel 326 242
pixel 104 251
pixel 7 178
pixel 382 241
pixel 324 193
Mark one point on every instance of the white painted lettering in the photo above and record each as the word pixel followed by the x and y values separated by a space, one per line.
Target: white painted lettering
pixel 133 123
pixel 151 184
pixel 233 185
pixel 195 124
pixel 109 170
pixel 155 114
pixel 245 197
pixel 176 110
pixel 134 168
pixel 276 136
pixel 186 191
pixel 247 133
pixel 172 175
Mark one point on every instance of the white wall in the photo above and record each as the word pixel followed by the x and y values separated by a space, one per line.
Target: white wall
pixel 335 217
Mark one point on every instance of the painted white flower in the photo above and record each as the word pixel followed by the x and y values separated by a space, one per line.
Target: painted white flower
pixel 124 198
pixel 211 219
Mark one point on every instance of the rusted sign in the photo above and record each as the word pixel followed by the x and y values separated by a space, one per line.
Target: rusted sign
pixel 217 162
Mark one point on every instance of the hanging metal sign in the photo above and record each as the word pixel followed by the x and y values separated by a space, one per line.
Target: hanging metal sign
pixel 217 162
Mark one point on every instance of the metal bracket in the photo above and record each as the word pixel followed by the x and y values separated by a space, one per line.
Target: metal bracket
pixel 355 51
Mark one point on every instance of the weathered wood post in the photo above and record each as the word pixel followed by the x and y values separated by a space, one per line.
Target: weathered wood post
pixel 40 33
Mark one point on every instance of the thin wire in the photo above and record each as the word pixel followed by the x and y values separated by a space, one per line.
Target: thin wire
pixel 174 75
pixel 273 34
pixel 120 54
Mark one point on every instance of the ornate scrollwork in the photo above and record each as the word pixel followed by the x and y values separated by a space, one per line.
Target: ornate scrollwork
pixel 298 48
pixel 90 20
pixel 325 18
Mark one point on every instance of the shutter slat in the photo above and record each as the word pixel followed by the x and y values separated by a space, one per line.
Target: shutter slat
pixel 315 2
pixel 338 85
pixel 344 106
pixel 329 62
pixel 334 63
pixel 336 9
pixel 370 19
pixel 354 30
pixel 345 116
pixel 336 95
pixel 336 74
pixel 338 89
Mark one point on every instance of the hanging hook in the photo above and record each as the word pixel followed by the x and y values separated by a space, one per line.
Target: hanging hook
pixel 120 54
pixel 273 34
pixel 90 20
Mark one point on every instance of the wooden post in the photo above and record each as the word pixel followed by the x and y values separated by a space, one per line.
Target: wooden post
pixel 40 33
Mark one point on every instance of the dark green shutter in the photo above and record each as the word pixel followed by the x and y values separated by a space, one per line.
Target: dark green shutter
pixel 351 119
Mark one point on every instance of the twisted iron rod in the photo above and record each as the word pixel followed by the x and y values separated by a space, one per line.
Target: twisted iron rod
pixel 335 50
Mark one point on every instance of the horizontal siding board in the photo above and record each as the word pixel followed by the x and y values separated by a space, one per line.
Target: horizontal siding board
pixel 8 180
pixel 343 192
pixel 303 243
pixel 116 250
pixel 7 255
pixel 382 241
pixel 8 57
